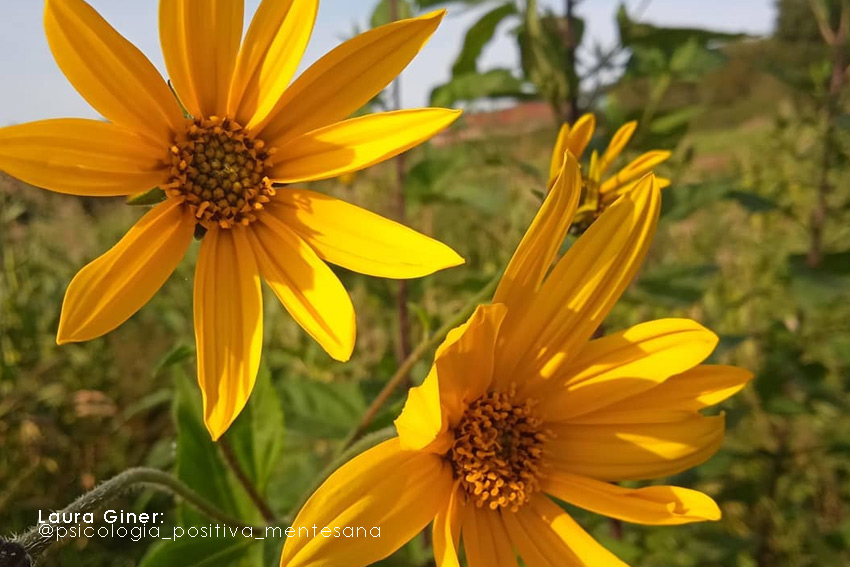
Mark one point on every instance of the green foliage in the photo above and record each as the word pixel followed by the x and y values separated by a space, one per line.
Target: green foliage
pixel 478 36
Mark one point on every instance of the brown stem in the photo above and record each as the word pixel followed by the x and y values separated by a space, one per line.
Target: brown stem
pixel 572 110
pixel 239 473
pixel 836 40
pixel 403 337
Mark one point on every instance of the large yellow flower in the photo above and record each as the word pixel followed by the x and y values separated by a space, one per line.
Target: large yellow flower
pixel 521 405
pixel 249 129
pixel 598 194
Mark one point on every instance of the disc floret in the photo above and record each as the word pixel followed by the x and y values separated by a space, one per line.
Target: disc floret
pixel 498 450
pixel 221 172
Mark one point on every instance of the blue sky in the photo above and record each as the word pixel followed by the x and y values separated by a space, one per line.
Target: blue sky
pixel 33 87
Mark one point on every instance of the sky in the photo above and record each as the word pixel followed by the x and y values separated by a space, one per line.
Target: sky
pixel 34 88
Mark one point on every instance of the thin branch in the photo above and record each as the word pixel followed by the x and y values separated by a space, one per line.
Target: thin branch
pixel 35 543
pixel 413 358
pixel 239 473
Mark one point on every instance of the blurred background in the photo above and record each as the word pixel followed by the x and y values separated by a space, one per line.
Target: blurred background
pixel 754 243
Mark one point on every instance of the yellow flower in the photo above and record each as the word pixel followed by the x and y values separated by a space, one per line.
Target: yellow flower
pixel 598 194
pixel 250 129
pixel 521 405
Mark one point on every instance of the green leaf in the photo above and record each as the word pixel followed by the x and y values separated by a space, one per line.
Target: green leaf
pixel 753 202
pixel 201 552
pixel 496 83
pixel 151 197
pixel 383 14
pixel 257 434
pixel 676 285
pixel 321 410
pixel 478 36
pixel 199 463
pixel 676 120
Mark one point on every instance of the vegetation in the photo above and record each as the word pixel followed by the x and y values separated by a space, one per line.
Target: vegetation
pixel 753 243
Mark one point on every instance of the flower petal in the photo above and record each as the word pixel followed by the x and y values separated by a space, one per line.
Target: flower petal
pixel 446 531
pixel 228 325
pixel 485 540
pixel 653 505
pixel 613 195
pixel 624 364
pixel 397 491
pixel 465 359
pixel 345 79
pixel 359 240
pixel 580 134
pixel 356 144
pixel 677 397
pixel 305 285
pixel 639 167
pixel 109 71
pixel 461 373
pixel 110 289
pixel 82 157
pixel 546 536
pixel 639 451
pixel 617 144
pixel 557 161
pixel 582 288
pixel 269 57
pixel 541 242
pixel 200 41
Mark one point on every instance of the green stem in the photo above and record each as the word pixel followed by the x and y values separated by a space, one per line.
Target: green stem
pixel 413 358
pixel 35 544
pixel 367 442
pixel 257 499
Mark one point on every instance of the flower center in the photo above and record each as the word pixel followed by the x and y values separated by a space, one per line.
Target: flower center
pixel 221 172
pixel 497 451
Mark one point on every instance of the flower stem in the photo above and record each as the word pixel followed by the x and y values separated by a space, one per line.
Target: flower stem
pixel 35 544
pixel 414 357
pixel 250 489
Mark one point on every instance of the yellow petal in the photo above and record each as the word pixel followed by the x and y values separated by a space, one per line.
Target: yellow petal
pixel 446 531
pixel 485 540
pixel 359 240
pixel 305 285
pixel 461 373
pixel 345 79
pixel 465 359
pixel 357 143
pixel 109 71
pixel 676 397
pixel 640 451
pixel 269 57
pixel 639 167
pixel 82 157
pixel 386 488
pixel 538 248
pixel 613 195
pixel 546 536
pixel 541 242
pixel 582 288
pixel 654 505
pixel 580 134
pixel 617 144
pixel 624 364
pixel 228 325
pixel 200 41
pixel 421 425
pixel 557 160
pixel 110 289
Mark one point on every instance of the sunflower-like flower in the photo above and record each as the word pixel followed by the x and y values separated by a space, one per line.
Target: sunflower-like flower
pixel 521 406
pixel 596 192
pixel 248 129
